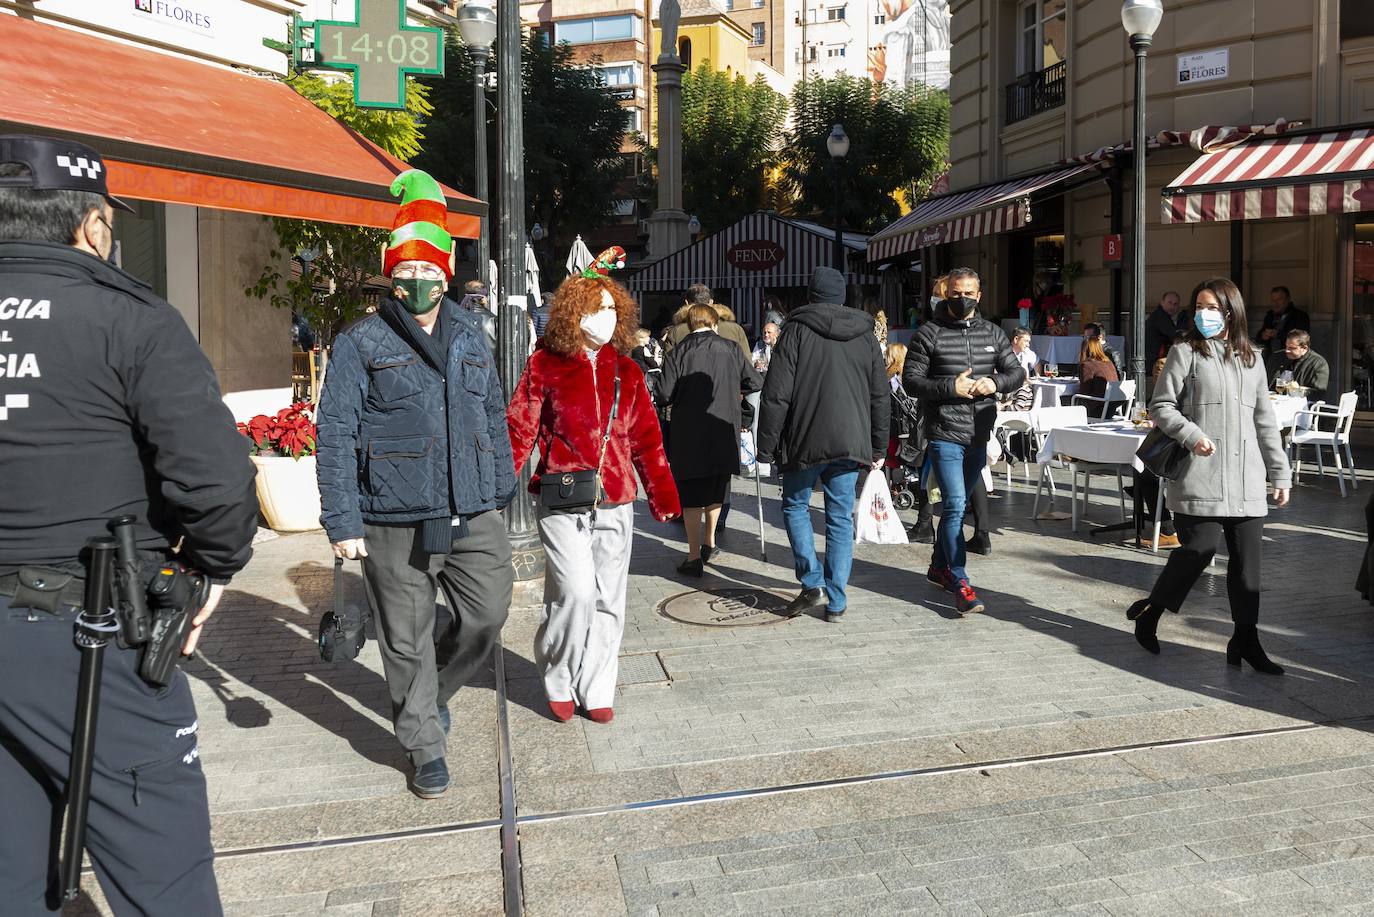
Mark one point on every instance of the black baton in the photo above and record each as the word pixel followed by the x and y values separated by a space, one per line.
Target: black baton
pixel 95 626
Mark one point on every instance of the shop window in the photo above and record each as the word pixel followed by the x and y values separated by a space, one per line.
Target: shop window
pixel 1362 316
pixel 1043 40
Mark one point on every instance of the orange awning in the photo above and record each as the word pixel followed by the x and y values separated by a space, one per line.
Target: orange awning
pixel 178 131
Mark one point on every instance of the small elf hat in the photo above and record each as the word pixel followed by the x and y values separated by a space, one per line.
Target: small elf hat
pixel 420 231
pixel 612 259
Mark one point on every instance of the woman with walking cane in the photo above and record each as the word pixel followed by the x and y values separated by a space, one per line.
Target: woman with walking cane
pixel 583 401
pixel 1212 398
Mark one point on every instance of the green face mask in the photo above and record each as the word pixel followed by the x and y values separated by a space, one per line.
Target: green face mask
pixel 416 294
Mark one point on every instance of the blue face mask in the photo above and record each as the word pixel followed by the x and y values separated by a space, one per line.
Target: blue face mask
pixel 1209 322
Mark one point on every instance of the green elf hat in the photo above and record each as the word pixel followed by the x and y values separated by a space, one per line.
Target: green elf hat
pixel 420 231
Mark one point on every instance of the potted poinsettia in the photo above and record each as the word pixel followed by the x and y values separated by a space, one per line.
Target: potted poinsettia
pixel 283 449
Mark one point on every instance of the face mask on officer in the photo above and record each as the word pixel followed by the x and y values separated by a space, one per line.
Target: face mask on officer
pixel 418 286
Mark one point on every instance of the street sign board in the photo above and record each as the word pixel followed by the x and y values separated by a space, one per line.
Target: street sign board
pixel 1204 66
pixel 1111 250
pixel 380 49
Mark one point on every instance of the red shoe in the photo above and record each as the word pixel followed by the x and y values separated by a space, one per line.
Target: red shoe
pixel 562 710
pixel 966 600
pixel 601 714
pixel 940 576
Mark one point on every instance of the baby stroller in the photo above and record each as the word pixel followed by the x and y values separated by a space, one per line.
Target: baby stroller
pixel 906 450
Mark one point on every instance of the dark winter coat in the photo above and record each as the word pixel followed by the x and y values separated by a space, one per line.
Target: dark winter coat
pixel 826 398
pixel 108 406
pixel 394 434
pixel 943 348
pixel 703 378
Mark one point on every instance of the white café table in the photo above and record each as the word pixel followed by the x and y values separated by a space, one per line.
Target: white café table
pixel 1100 443
pixel 1056 348
pixel 1065 387
pixel 1286 408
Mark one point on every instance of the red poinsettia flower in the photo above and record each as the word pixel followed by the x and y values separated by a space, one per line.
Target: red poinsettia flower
pixel 290 432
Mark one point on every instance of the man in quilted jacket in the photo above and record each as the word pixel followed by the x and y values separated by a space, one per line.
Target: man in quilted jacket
pixel 957 363
pixel 414 468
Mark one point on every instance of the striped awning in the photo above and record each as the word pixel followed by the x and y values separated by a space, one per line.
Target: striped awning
pixel 761 250
pixel 1294 175
pixel 966 214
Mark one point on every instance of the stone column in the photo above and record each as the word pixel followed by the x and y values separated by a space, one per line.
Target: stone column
pixel 668 226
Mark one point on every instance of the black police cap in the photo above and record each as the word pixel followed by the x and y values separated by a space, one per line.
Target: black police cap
pixel 56 165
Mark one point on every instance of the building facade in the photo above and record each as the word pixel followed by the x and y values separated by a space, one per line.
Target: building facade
pixel 199 256
pixel 1039 85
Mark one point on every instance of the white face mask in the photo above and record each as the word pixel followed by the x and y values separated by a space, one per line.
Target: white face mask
pixel 599 327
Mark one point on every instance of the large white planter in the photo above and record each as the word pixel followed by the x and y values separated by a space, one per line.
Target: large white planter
pixel 288 493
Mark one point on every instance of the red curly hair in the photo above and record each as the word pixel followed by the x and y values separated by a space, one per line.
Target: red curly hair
pixel 578 297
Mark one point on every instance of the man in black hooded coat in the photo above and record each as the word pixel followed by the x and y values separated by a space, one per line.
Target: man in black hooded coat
pixel 823 416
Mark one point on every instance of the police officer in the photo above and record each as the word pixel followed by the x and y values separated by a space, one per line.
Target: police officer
pixel 107 406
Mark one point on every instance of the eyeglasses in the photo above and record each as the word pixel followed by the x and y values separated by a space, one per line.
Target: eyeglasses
pixel 427 272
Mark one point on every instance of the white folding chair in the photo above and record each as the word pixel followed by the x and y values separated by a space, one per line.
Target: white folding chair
pixel 1335 439
pixel 1046 396
pixel 1007 430
pixel 1116 393
pixel 1046 421
pixel 1087 470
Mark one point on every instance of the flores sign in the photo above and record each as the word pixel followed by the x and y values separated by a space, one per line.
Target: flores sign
pixel 1204 66
pixel 755 255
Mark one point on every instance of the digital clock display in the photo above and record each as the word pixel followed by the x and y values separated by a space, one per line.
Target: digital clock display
pixel 380 49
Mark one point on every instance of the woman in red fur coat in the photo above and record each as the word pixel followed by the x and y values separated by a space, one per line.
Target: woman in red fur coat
pixel 562 405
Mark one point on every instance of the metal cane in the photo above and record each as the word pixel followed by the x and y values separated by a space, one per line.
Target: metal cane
pixel 758 493
pixel 95 627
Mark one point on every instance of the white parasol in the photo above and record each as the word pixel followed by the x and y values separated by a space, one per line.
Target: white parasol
pixel 531 278
pixel 580 258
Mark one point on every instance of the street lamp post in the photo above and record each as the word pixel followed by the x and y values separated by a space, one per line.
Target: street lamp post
pixel 477 27
pixel 838 145
pixel 1140 18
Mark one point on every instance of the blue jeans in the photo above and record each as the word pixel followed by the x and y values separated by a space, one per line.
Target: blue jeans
pixel 957 468
pixel 838 480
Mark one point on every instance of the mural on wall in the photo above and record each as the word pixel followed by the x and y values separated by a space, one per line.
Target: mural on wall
pixel 912 46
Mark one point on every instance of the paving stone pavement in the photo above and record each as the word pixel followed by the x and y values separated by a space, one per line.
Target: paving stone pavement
pixel 298 752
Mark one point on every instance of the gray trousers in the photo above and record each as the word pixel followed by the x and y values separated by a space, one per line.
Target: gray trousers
pixel 401 582
pixel 586 569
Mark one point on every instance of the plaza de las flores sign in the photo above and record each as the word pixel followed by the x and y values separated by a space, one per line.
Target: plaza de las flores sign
pixel 378 47
pixel 1204 66
pixel 755 255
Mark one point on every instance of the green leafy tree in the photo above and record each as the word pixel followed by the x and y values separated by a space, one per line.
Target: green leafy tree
pixel 333 289
pixel 731 140
pixel 899 144
pixel 573 134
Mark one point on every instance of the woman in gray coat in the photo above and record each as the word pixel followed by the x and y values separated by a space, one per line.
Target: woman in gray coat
pixel 1213 398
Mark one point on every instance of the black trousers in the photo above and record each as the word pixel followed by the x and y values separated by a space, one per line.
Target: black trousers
pixel 1201 536
pixel 149 828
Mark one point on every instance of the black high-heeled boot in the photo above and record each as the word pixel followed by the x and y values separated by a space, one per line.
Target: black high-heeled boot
pixel 1146 618
pixel 1245 645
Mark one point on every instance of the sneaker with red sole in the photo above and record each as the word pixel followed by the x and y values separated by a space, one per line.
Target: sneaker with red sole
pixel 966 600
pixel 940 576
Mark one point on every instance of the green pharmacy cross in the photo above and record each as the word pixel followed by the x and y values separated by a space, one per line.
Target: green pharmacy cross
pixel 380 49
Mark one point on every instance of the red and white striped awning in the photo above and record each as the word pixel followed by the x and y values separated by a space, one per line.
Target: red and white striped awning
pixel 976 212
pixel 1294 175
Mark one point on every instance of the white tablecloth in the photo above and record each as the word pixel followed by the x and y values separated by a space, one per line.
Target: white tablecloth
pixel 1286 408
pixel 1065 387
pixel 1108 443
pixel 1053 348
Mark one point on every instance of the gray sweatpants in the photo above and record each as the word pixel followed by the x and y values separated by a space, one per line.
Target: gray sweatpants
pixel 586 569
pixel 401 582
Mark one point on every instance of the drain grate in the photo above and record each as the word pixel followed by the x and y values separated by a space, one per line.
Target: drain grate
pixel 643 669
pixel 728 607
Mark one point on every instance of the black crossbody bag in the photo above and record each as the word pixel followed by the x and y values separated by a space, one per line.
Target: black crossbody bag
pixel 1161 454
pixel 577 491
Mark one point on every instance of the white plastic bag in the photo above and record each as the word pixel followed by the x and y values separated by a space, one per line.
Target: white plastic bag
pixel 746 452
pixel 875 518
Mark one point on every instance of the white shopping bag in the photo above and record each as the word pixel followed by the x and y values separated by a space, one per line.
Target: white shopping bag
pixel 875 518
pixel 746 452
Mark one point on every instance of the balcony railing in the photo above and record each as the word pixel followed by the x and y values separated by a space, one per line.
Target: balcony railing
pixel 1033 93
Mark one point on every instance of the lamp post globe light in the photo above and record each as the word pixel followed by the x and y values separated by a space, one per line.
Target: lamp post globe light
pixel 1139 18
pixel 838 146
pixel 477 28
pixel 694 227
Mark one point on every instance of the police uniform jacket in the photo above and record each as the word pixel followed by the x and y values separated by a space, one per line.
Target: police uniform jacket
pixel 109 406
pixel 398 443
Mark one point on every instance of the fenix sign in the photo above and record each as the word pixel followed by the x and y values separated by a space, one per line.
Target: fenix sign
pixel 755 255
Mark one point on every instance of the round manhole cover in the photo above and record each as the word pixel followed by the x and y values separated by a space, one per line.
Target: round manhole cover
pixel 726 607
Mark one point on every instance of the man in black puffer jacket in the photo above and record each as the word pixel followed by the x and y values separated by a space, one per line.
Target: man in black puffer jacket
pixel 824 415
pixel 955 365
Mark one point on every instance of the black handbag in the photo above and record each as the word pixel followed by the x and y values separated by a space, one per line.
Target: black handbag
pixel 342 628
pixel 1161 454
pixel 578 491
